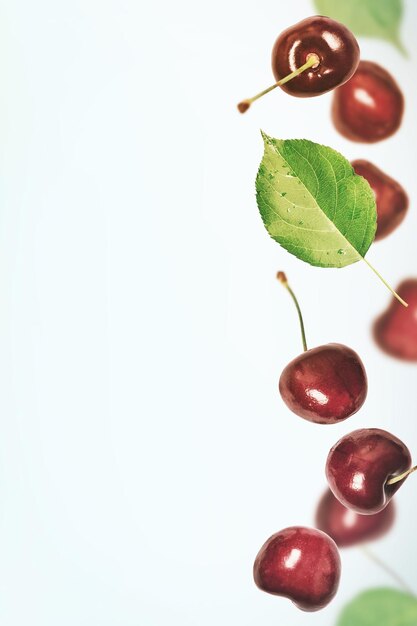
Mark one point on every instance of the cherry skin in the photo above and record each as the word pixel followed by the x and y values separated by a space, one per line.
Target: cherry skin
pixel 348 528
pixel 391 198
pixel 370 106
pixel 395 331
pixel 361 465
pixel 325 385
pixel 302 564
pixel 333 44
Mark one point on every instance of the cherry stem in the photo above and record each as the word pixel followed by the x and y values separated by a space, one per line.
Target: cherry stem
pixel 394 293
pixel 397 479
pixel 283 280
pixel 312 61
pixel 388 570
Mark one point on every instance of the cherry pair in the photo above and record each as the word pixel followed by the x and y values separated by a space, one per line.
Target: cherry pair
pixel 319 54
pixel 296 554
pixel 327 385
pixel 364 470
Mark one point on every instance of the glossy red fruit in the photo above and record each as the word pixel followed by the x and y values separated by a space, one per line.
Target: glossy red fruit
pixel 395 331
pixel 360 465
pixel 370 106
pixel 302 564
pixel 325 385
pixel 348 528
pixel 391 198
pixel 334 45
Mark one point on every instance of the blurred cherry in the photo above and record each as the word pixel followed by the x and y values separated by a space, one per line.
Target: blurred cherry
pixel 370 106
pixel 391 198
pixel 395 331
pixel 348 528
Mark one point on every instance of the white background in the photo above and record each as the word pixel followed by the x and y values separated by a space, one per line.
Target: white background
pixel 145 454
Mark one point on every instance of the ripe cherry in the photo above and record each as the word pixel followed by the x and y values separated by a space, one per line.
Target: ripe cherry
pixel 395 331
pixel 348 528
pixel 366 468
pixel 324 385
pixel 370 106
pixel 391 198
pixel 311 58
pixel 302 564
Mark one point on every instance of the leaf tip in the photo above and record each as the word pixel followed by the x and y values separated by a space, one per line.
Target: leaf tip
pixel 402 49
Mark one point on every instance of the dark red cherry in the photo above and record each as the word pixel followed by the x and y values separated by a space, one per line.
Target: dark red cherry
pixel 348 528
pixel 310 58
pixel 302 564
pixel 391 199
pixel 395 331
pixel 364 469
pixel 370 106
pixel 325 385
pixel 333 44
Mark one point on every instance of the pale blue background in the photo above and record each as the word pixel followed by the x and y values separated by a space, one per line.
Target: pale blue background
pixel 145 454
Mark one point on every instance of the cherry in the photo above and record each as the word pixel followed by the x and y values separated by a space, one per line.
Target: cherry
pixel 391 198
pixel 302 564
pixel 370 106
pixel 324 385
pixel 395 331
pixel 333 44
pixel 348 528
pixel 311 58
pixel 366 468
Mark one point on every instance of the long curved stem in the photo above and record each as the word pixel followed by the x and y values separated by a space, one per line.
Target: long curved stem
pixel 397 479
pixel 283 280
pixel 400 581
pixel 394 293
pixel 312 61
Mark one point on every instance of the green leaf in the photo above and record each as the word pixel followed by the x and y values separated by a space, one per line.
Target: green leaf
pixel 313 204
pixel 380 607
pixel 370 18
